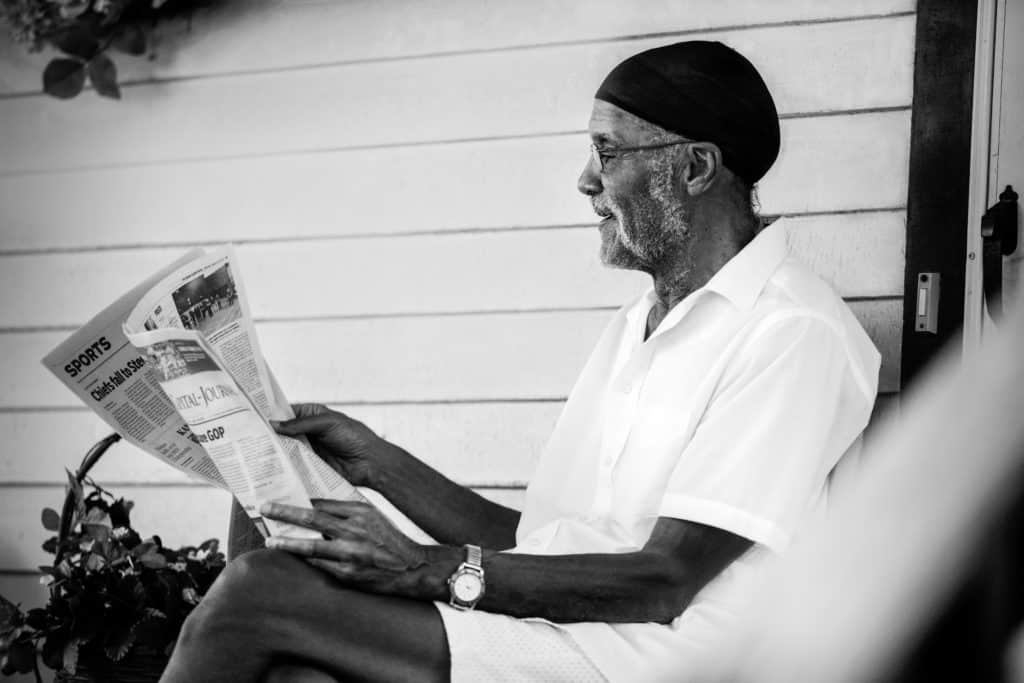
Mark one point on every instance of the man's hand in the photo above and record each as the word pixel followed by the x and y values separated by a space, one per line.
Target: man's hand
pixel 347 445
pixel 361 548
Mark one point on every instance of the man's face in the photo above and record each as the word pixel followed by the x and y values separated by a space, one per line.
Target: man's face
pixel 638 195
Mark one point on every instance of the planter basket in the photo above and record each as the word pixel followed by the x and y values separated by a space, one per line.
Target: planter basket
pixel 141 664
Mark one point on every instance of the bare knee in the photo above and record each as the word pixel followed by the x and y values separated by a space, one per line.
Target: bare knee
pixel 296 673
pixel 240 595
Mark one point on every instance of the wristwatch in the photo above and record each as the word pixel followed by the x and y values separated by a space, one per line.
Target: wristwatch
pixel 466 585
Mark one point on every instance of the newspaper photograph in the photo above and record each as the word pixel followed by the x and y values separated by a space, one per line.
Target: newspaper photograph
pixel 208 297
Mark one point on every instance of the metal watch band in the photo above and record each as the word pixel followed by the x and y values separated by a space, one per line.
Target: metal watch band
pixel 474 556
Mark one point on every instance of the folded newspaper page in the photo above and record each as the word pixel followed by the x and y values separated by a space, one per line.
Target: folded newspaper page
pixel 200 302
pixel 111 377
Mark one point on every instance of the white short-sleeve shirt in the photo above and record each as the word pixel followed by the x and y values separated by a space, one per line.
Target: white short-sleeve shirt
pixel 731 414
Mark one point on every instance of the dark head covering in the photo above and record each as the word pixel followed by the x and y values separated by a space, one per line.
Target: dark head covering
pixel 703 91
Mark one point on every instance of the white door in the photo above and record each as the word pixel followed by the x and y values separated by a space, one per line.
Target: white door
pixel 998 152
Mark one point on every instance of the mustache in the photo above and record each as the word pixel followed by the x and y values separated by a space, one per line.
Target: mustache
pixel 600 208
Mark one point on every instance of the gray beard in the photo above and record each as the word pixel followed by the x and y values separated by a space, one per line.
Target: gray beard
pixel 657 228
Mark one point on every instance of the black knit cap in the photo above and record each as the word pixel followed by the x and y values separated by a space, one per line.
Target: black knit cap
pixel 704 91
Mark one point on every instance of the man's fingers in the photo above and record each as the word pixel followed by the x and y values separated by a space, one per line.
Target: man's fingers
pixel 335 550
pixel 341 508
pixel 336 569
pixel 309 409
pixel 307 517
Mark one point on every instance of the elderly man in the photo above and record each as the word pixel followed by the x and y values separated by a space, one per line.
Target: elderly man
pixel 703 427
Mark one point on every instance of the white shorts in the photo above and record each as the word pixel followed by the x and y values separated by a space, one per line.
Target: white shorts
pixel 494 647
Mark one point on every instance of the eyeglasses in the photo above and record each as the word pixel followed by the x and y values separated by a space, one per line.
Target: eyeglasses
pixel 602 154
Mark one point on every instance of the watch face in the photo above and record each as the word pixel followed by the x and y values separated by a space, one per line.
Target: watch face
pixel 467 587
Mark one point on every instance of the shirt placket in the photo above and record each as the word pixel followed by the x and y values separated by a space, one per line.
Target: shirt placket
pixel 623 400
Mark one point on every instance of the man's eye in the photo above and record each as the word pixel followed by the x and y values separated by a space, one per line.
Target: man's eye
pixel 605 156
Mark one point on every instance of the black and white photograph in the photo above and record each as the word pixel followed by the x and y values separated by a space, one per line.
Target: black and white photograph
pixel 208 302
pixel 621 341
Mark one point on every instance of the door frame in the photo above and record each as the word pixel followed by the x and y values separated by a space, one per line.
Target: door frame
pixel 939 184
pixel 988 90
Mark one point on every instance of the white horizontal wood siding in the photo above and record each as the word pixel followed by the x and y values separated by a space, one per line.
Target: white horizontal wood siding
pixel 400 179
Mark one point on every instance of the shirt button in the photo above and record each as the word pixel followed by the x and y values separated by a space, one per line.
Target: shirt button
pixel 628 388
pixel 608 462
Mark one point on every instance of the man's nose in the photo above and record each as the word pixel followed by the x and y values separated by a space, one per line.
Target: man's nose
pixel 589 182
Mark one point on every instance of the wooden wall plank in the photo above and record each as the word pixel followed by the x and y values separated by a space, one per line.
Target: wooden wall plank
pixel 24 589
pixel 882 320
pixel 831 163
pixel 446 98
pixel 858 254
pixel 235 34
pixel 861 255
pixel 439 358
pixel 474 444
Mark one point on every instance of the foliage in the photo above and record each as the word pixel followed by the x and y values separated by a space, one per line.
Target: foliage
pixel 84 31
pixel 110 591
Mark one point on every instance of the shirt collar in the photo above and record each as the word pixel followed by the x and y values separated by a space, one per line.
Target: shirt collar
pixel 741 280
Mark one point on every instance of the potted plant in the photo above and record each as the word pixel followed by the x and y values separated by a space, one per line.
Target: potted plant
pixel 85 32
pixel 117 602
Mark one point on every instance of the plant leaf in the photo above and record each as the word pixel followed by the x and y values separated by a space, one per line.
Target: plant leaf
pixel 119 513
pixel 64 78
pixel 131 39
pixel 51 520
pixel 36 618
pixel 96 515
pixel 73 484
pixel 77 41
pixel 95 563
pixel 143 548
pixel 63 569
pixel 53 650
pixel 119 642
pixel 22 656
pixel 69 660
pixel 8 614
pixel 153 560
pixel 100 533
pixel 103 74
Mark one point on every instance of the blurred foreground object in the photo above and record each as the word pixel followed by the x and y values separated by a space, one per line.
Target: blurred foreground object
pixel 863 584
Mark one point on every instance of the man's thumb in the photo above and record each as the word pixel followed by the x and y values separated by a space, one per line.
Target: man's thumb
pixel 301 425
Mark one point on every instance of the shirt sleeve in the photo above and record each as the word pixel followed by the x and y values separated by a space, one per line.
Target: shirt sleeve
pixel 785 409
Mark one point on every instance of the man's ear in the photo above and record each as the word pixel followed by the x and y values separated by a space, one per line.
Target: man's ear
pixel 703 166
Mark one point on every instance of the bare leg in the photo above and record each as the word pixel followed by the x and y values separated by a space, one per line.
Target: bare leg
pixel 269 607
pixel 297 673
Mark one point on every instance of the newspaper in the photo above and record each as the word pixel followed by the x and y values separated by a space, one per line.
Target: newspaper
pixel 175 367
